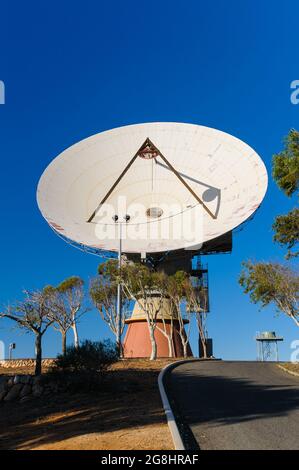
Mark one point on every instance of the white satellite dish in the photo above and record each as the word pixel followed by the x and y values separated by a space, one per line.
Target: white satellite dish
pixel 181 184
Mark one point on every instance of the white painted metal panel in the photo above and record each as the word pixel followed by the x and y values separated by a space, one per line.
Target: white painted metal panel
pixel 225 172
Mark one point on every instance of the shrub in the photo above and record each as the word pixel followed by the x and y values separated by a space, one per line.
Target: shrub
pixel 82 368
pixel 92 357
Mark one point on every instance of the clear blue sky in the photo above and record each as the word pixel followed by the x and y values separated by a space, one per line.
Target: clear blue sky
pixel 72 69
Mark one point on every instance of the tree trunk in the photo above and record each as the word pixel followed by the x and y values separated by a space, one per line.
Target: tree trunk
pixel 170 348
pixel 38 354
pixel 185 348
pixel 63 337
pixel 120 348
pixel 202 335
pixel 153 343
pixel 204 346
pixel 75 331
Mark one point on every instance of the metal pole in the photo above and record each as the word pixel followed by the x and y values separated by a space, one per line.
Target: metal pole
pixel 119 312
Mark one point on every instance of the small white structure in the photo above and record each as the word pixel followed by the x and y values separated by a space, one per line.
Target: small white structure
pixel 267 346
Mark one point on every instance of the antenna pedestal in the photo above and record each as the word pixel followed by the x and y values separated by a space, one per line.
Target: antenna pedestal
pixel 137 340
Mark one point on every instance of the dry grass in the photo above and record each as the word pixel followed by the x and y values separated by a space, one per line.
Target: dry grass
pixel 293 367
pixel 126 414
pixel 18 370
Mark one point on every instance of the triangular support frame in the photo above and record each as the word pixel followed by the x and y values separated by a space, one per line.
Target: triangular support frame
pixel 149 151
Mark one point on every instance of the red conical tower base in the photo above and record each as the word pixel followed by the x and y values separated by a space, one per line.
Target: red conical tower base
pixel 137 340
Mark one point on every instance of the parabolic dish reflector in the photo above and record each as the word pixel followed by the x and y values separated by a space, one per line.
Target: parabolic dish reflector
pixel 181 185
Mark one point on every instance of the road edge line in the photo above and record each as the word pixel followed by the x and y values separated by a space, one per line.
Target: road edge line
pixel 174 431
pixel 175 434
pixel 287 370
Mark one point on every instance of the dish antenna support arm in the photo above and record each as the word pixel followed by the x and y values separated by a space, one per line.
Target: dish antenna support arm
pixel 187 186
pixel 113 186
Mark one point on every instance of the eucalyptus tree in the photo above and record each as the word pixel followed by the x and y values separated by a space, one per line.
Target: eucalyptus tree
pixel 32 315
pixel 276 283
pixel 103 292
pixel 177 289
pixel 71 292
pixel 286 174
pixel 66 307
pixel 196 300
pixel 286 164
pixel 272 283
pixel 164 320
pixel 146 287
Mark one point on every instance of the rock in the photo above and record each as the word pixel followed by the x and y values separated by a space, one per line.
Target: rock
pixel 2 394
pixel 3 386
pixel 27 398
pixel 26 379
pixel 26 390
pixel 13 392
pixel 10 382
pixel 37 390
pixel 36 380
pixel 22 379
pixel 54 388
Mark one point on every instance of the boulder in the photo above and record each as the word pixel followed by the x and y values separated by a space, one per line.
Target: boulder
pixel 26 379
pixel 17 379
pixel 26 390
pixel 3 386
pixel 36 380
pixel 10 381
pixel 22 379
pixel 53 387
pixel 14 392
pixel 37 390
pixel 27 398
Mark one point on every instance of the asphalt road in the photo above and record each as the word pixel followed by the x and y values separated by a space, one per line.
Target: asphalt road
pixel 237 405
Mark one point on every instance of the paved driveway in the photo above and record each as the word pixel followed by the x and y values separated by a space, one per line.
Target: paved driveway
pixel 238 405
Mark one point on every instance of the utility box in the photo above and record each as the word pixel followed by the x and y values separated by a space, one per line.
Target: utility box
pixel 209 347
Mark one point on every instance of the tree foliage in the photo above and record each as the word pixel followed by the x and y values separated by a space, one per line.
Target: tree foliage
pixel 178 290
pixel 286 165
pixel 286 175
pixel 150 289
pixel 272 283
pixel 65 306
pixel 147 288
pixel 276 283
pixel 32 315
pixel 103 292
pixel 286 229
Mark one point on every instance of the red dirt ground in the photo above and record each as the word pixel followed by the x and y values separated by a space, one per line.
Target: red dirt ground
pixel 127 414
